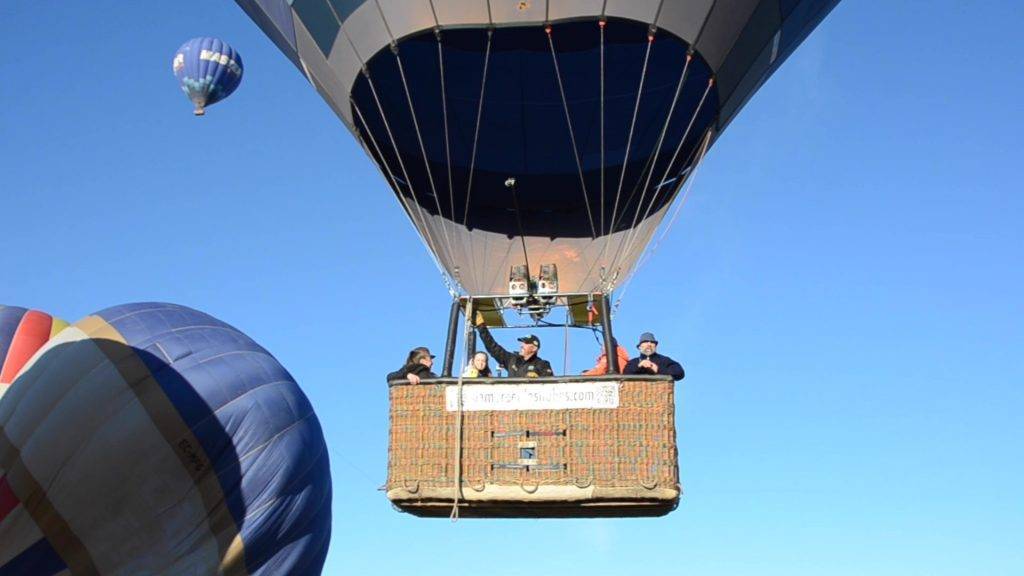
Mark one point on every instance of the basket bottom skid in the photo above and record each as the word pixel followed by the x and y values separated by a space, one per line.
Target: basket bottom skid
pixel 614 503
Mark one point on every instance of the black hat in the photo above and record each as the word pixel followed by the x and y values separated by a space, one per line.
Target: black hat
pixel 530 339
pixel 422 352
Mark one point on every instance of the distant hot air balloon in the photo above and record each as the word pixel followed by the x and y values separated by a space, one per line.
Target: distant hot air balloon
pixel 22 332
pixel 209 71
pixel 155 439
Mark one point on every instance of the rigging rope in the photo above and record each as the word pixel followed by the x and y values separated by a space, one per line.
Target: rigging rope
pixel 634 232
pixel 675 214
pixel 629 142
pixel 572 135
pixel 601 24
pixel 398 154
pixel 454 516
pixel 479 114
pixel 425 235
pixel 423 151
pixel 444 114
pixel 664 131
pixel 476 140
pixel 389 173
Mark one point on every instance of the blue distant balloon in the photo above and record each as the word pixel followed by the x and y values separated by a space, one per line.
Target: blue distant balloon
pixel 209 71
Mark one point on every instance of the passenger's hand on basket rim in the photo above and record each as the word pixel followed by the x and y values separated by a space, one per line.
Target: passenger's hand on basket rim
pixel 412 378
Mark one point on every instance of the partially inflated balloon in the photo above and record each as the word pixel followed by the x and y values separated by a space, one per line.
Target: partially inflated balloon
pixel 209 71
pixel 155 439
pixel 22 332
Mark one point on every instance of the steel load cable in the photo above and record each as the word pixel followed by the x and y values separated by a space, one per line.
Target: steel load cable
pixel 572 135
pixel 626 247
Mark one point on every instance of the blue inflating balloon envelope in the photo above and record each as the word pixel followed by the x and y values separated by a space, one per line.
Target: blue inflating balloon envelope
pixel 208 69
pixel 152 438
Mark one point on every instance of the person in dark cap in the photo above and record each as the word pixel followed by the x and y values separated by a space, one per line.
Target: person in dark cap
pixel 650 362
pixel 525 364
pixel 417 366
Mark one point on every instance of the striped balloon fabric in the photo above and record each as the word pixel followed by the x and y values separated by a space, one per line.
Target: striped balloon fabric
pixel 155 439
pixel 22 333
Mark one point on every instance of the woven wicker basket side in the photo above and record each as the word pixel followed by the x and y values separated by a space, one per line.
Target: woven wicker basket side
pixel 585 462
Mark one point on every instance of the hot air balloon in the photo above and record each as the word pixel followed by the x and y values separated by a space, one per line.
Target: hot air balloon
pixel 208 70
pixel 155 439
pixel 22 333
pixel 536 146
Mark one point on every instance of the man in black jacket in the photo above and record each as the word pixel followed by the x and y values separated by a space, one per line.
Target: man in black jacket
pixel 417 366
pixel 525 364
pixel 650 362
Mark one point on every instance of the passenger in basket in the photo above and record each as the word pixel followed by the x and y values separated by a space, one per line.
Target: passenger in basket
pixel 525 364
pixel 478 367
pixel 602 361
pixel 417 366
pixel 650 362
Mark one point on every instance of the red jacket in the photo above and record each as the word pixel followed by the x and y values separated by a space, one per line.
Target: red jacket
pixel 602 362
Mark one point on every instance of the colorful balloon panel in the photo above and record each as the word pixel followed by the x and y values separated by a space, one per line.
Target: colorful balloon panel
pixel 22 332
pixel 208 69
pixel 155 439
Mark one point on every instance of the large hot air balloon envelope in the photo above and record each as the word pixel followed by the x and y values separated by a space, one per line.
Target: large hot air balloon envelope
pixel 22 333
pixel 208 70
pixel 155 439
pixel 598 109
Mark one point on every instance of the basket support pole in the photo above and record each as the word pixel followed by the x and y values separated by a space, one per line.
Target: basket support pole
pixel 453 332
pixel 606 327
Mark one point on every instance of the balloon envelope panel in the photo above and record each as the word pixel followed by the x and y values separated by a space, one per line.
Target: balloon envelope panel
pixel 208 69
pixel 153 438
pixel 22 332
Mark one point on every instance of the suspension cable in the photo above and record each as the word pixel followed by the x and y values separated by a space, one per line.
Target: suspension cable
pixel 444 114
pixel 572 135
pixel 664 131
pixel 633 234
pixel 595 262
pixel 675 214
pixel 472 163
pixel 682 179
pixel 386 170
pixel 425 234
pixel 479 115
pixel 629 142
pixel 401 163
pixel 423 151
pixel 601 24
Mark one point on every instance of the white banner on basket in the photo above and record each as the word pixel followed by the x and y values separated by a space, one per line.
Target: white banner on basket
pixel 479 397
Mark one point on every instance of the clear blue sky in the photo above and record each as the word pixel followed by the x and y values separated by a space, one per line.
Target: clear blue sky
pixel 844 286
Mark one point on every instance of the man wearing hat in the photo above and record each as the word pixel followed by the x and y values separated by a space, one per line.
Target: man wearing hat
pixel 525 364
pixel 417 365
pixel 650 362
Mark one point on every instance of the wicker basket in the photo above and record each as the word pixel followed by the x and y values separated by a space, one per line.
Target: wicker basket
pixel 539 447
